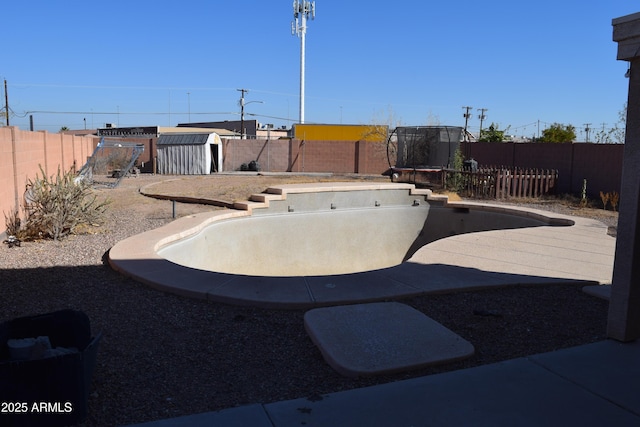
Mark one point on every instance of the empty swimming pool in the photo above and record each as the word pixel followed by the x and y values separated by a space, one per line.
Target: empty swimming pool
pixel 305 231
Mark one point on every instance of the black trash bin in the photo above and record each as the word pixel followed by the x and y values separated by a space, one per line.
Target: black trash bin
pixel 52 390
pixel 254 166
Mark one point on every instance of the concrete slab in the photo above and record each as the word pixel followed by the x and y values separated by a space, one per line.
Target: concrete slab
pixel 611 369
pixel 542 240
pixel 250 415
pixel 513 393
pixel 360 287
pixel 434 278
pixel 173 278
pixel 502 251
pixel 380 338
pixel 265 292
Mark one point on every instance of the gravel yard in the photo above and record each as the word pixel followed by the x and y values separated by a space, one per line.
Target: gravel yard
pixel 164 356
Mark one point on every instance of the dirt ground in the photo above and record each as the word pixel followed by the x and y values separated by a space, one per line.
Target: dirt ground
pixel 225 189
pixel 239 187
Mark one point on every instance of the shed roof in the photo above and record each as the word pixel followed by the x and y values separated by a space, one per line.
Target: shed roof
pixel 186 129
pixel 184 139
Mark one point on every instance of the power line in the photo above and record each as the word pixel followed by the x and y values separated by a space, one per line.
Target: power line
pixel 121 113
pixel 163 88
pixel 524 126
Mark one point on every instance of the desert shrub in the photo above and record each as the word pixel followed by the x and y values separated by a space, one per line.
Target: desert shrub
pixel 456 180
pixel 615 197
pixel 55 206
pixel 611 198
pixel 12 223
pixel 605 199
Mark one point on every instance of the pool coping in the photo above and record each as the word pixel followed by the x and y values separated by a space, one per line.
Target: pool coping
pixel 426 272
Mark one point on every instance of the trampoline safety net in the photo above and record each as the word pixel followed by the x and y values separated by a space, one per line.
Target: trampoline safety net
pixel 424 147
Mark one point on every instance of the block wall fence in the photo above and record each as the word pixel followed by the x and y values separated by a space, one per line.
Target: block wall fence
pixel 23 152
pixel 294 155
pixel 599 164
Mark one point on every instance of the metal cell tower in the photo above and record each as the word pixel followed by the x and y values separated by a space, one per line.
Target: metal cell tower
pixel 302 10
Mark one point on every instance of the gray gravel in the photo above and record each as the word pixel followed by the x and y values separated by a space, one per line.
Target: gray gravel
pixel 165 356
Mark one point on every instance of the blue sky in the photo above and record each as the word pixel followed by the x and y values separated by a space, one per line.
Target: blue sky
pixel 144 63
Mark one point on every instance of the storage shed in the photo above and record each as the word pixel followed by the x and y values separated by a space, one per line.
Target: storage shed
pixel 189 154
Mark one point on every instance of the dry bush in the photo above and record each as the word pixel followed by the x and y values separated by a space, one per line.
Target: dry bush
pixel 56 205
pixel 615 197
pixel 605 199
pixel 12 223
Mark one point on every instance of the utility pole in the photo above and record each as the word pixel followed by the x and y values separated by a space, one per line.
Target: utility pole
pixel 481 116
pixel 466 116
pixel 242 91
pixel 6 101
pixel 189 106
pixel 586 130
pixel 302 9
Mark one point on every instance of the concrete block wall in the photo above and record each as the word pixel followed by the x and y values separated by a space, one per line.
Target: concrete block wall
pixel 272 155
pixel 294 155
pixel 599 164
pixel 325 156
pixel 24 153
pixel 52 152
pixel 7 187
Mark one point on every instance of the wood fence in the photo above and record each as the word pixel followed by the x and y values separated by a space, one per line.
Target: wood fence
pixel 503 183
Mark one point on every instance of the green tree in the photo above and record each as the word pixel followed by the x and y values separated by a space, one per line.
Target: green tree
pixel 558 133
pixel 492 134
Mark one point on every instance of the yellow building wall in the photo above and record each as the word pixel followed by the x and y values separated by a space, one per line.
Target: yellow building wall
pixel 315 132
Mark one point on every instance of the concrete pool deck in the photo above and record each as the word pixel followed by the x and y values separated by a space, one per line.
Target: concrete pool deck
pixel 591 385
